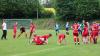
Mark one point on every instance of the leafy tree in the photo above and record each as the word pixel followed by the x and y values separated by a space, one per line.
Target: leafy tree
pixel 67 9
pixel 19 8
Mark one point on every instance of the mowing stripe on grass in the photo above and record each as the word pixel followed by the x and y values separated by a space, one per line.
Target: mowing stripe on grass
pixel 44 50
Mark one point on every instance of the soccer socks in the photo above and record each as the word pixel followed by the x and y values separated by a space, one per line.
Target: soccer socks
pixel 26 35
pixel 78 40
pixel 67 33
pixel 56 33
pixel 59 41
pixel 14 36
pixel 91 38
pixel 30 34
pixel 95 40
pixel 75 41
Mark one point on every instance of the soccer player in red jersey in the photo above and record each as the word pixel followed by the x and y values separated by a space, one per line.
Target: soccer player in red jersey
pixel 95 31
pixel 61 38
pixel 91 34
pixel 99 28
pixel 45 38
pixel 22 30
pixel 40 40
pixel 37 40
pixel 14 30
pixel 85 34
pixel 75 27
pixel 32 28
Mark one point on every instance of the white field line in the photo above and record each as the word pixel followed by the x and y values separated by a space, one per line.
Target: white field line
pixel 34 52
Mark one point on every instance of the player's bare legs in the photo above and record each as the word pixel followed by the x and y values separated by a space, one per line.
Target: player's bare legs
pixel 25 34
pixel 59 41
pixel 75 39
pixel 95 39
pixel 19 35
pixel 78 41
pixel 85 40
pixel 14 35
pixel 64 40
pixel 30 35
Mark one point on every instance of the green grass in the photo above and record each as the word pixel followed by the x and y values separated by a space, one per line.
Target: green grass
pixel 21 47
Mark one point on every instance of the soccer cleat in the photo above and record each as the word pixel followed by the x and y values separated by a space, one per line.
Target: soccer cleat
pixel 75 43
pixel 56 34
pixel 78 43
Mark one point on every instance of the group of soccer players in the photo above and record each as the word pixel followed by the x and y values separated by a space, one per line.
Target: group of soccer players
pixel 88 32
pixel 23 30
pixel 33 38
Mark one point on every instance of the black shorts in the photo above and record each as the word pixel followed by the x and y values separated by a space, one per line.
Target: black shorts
pixel 57 30
pixel 67 29
pixel 22 31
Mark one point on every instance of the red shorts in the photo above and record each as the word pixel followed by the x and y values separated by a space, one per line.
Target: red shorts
pixel 61 37
pixel 85 34
pixel 75 34
pixel 95 33
pixel 38 41
pixel 14 31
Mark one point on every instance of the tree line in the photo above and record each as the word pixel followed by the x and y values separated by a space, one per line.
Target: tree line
pixel 78 9
pixel 19 8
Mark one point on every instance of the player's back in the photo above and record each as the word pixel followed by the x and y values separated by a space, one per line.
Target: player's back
pixel 62 35
pixel 75 28
pixel 94 27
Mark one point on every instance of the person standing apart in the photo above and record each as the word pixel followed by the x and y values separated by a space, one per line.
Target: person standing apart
pixel 32 29
pixel 15 30
pixel 4 29
pixel 57 28
pixel 67 28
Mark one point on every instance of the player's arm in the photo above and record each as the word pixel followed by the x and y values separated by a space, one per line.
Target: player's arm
pixel 2 26
pixel 78 26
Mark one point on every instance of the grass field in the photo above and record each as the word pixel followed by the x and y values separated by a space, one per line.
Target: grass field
pixel 21 47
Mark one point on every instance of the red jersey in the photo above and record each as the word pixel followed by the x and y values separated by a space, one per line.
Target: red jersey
pixel 95 27
pixel 45 37
pixel 61 36
pixel 75 28
pixel 37 40
pixel 85 31
pixel 32 27
pixel 15 27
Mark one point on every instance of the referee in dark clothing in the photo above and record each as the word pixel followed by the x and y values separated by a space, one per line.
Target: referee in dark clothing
pixel 4 29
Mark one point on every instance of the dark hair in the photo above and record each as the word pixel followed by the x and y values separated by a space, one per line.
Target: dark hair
pixel 50 34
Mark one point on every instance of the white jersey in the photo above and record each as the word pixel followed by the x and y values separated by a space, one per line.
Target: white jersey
pixel 56 26
pixel 67 25
pixel 4 26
